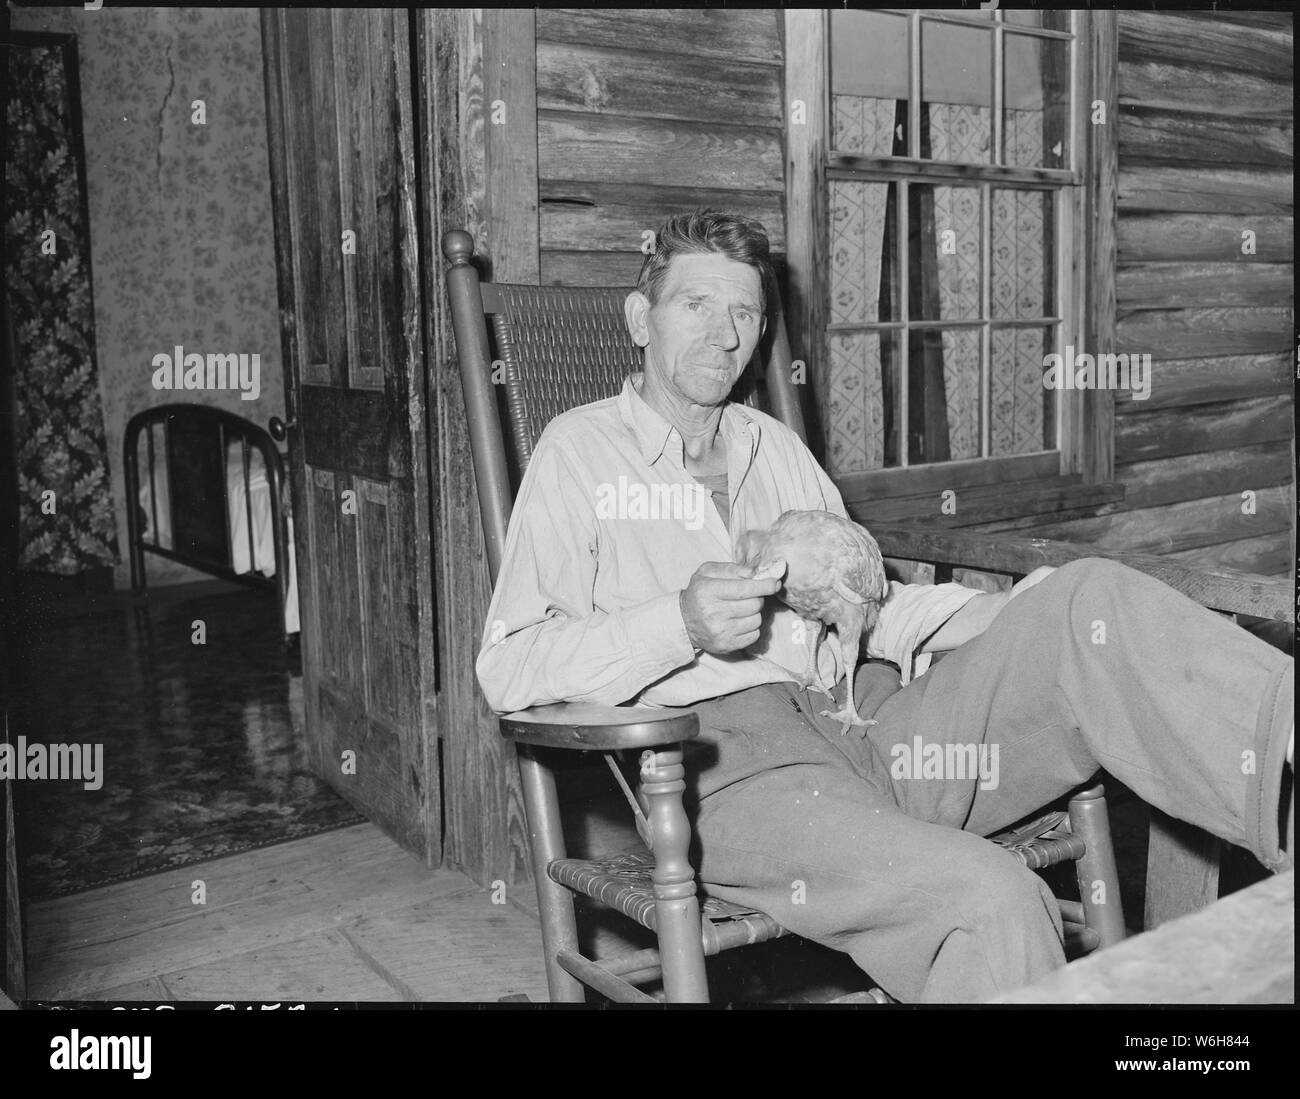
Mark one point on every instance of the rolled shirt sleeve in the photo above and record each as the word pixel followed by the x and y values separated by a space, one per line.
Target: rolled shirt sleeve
pixel 910 614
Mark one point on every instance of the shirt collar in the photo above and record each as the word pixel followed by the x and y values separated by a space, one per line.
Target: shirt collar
pixel 652 432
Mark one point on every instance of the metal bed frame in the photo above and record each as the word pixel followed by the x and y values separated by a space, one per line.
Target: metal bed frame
pixel 194 443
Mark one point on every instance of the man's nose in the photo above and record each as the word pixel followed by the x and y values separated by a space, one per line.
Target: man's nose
pixel 723 333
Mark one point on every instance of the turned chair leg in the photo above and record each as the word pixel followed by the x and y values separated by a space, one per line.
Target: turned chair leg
pixel 677 909
pixel 1103 911
pixel 554 901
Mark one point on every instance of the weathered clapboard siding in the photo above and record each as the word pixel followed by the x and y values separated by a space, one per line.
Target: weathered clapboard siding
pixel 1199 381
pixel 1190 524
pixel 644 113
pixel 1206 152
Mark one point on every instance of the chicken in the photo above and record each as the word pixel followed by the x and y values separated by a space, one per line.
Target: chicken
pixel 833 574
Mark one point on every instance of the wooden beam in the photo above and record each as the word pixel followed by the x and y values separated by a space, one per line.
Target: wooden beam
pixel 1266 554
pixel 1185 525
pixel 731 35
pixel 1090 447
pixel 1213 43
pixel 628 81
pixel 609 149
pixel 806 83
pixel 1149 135
pixel 1206 190
pixel 1232 93
pixel 1180 382
pixel 590 268
pixel 511 165
pixel 1245 283
pixel 485 830
pixel 1166 432
pixel 1205 332
pixel 1207 473
pixel 989 503
pixel 583 216
pixel 1182 870
pixel 1209 238
pixel 1220 589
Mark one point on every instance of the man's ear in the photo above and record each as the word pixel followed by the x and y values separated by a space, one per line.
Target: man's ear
pixel 636 308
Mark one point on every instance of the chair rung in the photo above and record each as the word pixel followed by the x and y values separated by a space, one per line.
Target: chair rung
pixel 1048 851
pixel 601 979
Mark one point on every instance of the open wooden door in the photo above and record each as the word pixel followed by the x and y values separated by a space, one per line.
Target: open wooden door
pixel 343 169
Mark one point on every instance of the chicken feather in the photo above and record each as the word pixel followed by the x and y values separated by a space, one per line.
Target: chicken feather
pixel 833 574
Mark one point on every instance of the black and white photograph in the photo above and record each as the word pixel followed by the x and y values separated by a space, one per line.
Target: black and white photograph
pixel 749 507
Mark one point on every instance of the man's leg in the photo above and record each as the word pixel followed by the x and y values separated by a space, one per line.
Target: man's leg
pixel 787 825
pixel 1100 665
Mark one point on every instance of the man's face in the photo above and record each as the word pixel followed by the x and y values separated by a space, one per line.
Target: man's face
pixel 704 328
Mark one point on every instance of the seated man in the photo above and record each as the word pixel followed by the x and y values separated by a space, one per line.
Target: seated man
pixel 1090 665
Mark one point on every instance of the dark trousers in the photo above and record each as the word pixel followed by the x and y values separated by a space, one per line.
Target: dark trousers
pixel 873 844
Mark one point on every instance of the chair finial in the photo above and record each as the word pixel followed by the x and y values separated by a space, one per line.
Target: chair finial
pixel 457 246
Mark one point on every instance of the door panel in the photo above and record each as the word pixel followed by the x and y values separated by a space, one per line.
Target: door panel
pixel 343 162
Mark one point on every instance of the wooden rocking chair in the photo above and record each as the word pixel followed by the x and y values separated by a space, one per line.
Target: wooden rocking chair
pixel 557 348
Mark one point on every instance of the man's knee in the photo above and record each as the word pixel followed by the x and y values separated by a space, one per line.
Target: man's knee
pixel 1096 579
pixel 999 891
pixel 1091 570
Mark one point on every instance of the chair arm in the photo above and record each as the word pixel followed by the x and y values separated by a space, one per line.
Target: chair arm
pixel 1217 588
pixel 585 727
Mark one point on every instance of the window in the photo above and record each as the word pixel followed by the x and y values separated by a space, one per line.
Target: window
pixel 944 209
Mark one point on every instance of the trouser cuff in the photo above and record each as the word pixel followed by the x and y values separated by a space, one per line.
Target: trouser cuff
pixel 1264 792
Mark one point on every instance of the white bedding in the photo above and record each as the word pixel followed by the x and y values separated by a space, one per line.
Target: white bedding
pixel 263 548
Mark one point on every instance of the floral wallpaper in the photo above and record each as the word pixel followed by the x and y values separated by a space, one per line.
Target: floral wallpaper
pixel 180 206
pixel 65 509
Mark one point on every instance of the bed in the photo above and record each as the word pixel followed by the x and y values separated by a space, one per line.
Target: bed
pixel 206 488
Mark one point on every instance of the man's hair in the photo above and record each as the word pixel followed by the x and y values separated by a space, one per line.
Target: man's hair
pixel 703 232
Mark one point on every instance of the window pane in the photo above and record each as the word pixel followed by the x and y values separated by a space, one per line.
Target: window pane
pixel 943 395
pixel 1035 130
pixel 863 252
pixel 1022 416
pixel 1023 268
pixel 943 252
pixel 956 92
pixel 869 58
pixel 1024 18
pixel 862 396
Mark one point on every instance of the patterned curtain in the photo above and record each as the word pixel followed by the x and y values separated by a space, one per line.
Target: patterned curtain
pixel 854 396
pixel 854 401
pixel 959 133
pixel 66 511
pixel 1019 232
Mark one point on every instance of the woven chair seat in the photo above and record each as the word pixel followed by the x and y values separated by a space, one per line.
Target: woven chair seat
pixel 622 881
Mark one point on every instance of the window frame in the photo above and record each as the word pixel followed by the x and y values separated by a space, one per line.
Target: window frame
pixel 1085 226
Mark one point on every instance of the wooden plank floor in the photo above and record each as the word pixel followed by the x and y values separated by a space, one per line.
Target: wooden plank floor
pixel 345 915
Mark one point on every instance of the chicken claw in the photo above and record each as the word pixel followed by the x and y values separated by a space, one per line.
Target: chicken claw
pixel 850 717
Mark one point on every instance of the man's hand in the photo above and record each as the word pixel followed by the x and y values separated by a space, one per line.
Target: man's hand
pixel 722 606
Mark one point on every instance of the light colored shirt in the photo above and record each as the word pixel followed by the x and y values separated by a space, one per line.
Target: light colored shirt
pixel 606 532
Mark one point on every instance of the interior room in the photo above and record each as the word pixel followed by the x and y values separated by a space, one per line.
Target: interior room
pixel 1031 302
